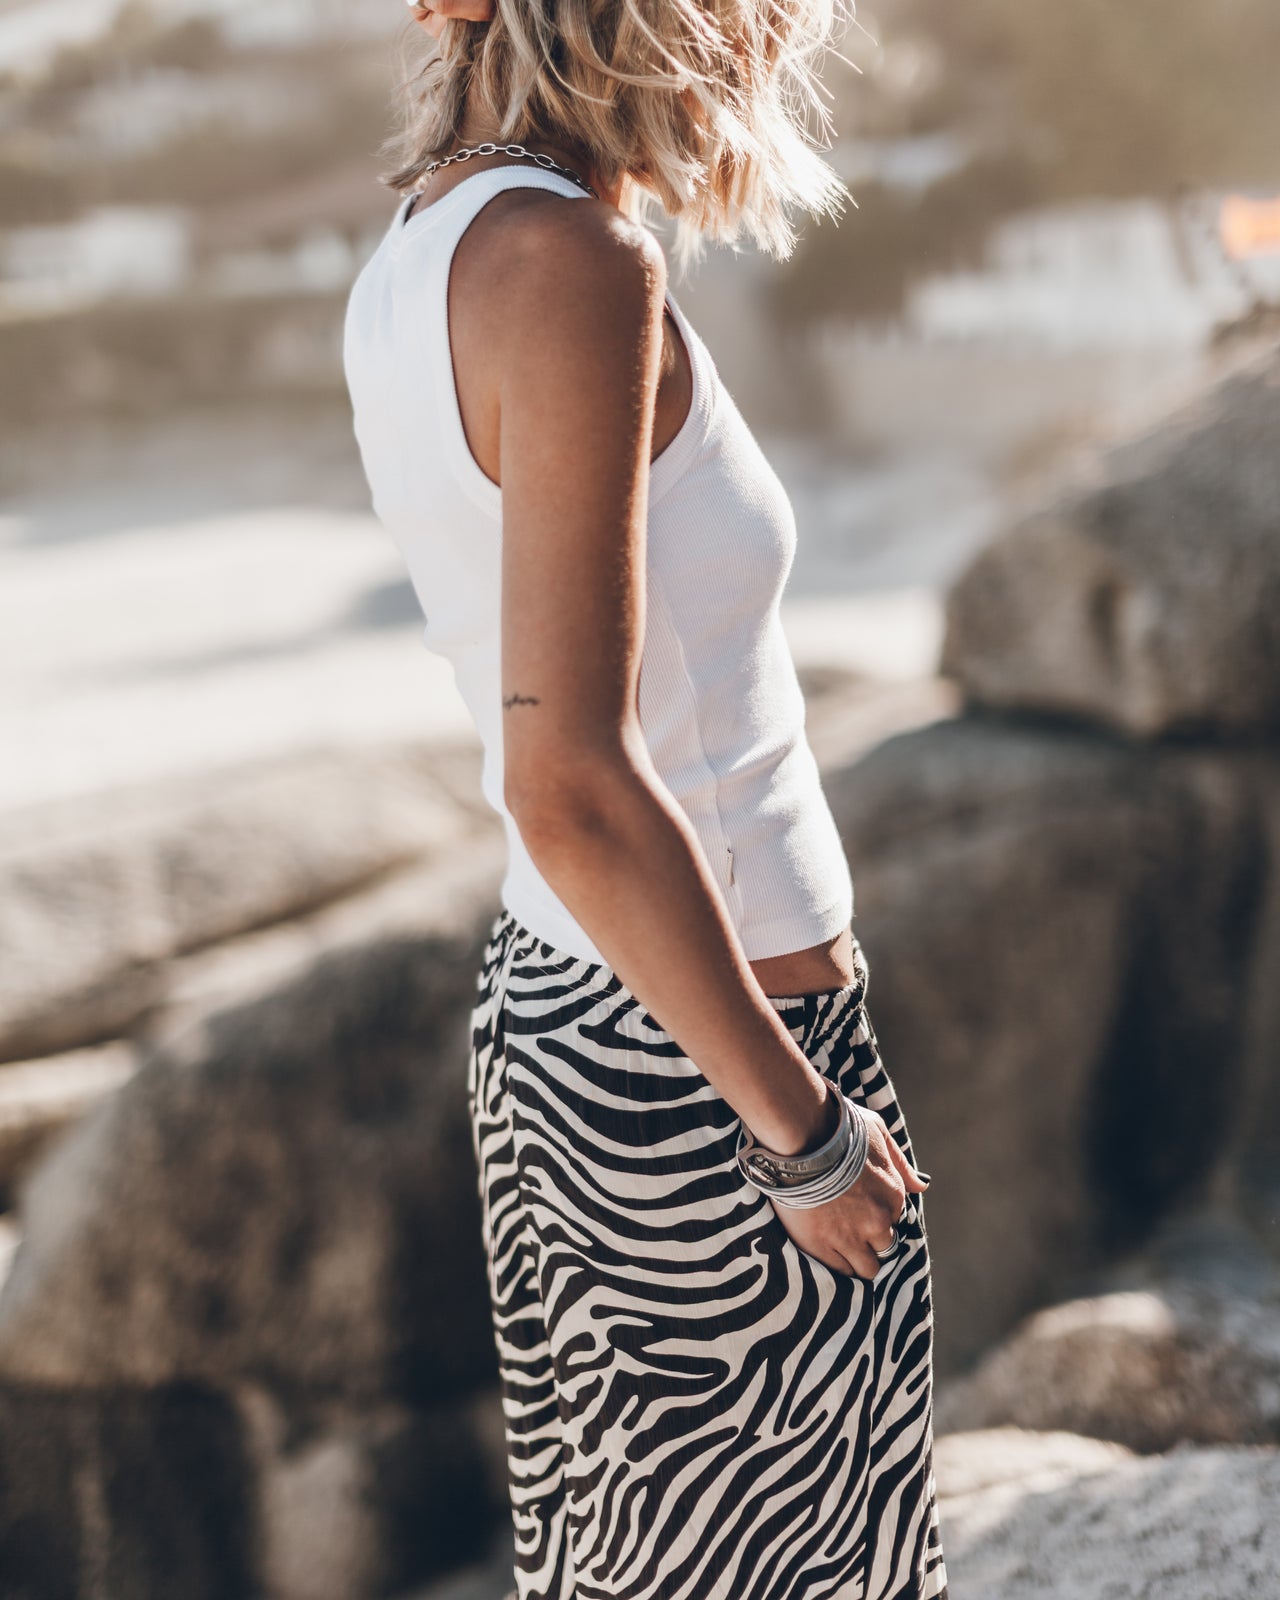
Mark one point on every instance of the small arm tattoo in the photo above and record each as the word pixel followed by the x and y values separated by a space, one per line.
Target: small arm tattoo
pixel 519 700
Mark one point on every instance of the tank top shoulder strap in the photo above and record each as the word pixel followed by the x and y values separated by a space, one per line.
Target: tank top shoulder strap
pixel 421 248
pixel 445 220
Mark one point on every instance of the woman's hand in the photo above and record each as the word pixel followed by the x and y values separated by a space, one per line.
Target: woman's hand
pixel 844 1233
pixel 434 16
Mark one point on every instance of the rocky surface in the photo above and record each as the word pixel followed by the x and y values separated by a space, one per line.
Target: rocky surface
pixel 1032 1515
pixel 490 1579
pixel 1150 1369
pixel 352 1500
pixel 40 1099
pixel 1147 598
pixel 1017 1461
pixel 1074 925
pixel 120 1492
pixel 97 896
pixel 1252 1154
pixel 1048 1516
pixel 1057 926
pixel 298 1162
pixel 278 1212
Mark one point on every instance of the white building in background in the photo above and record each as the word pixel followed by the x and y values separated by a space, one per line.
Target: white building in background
pixel 1108 275
pixel 135 251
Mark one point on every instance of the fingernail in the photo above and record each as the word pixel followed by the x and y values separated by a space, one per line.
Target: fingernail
pixel 924 1177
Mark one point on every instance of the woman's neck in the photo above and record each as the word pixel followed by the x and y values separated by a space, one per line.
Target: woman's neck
pixel 575 157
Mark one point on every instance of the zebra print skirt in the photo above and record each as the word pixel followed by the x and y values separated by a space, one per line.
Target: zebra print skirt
pixel 695 1408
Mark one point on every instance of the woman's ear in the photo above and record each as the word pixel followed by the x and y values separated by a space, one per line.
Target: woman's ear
pixel 435 14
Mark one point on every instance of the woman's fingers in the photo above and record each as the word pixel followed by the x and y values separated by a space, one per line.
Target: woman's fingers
pixel 883 1242
pixel 859 1255
pixel 906 1171
pixel 840 1250
pixel 836 1261
pixel 866 1264
pixel 880 1234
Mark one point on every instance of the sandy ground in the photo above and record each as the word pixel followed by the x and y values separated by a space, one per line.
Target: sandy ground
pixel 213 591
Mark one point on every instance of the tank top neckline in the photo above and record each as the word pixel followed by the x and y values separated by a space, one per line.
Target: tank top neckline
pixel 667 467
pixel 525 175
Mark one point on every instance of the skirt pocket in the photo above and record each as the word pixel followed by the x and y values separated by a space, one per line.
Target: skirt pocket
pixel 835 1033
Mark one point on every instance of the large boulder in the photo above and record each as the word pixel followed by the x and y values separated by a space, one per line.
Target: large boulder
pixel 1148 598
pixel 285 1192
pixel 1061 1518
pixel 1252 1166
pixel 1148 1368
pixel 352 1502
pixel 1054 923
pixel 279 1210
pixel 118 1492
pixel 97 896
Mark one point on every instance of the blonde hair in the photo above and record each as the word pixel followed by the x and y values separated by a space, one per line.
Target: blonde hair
pixel 712 107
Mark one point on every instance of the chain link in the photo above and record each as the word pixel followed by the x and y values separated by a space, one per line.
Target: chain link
pixel 489 149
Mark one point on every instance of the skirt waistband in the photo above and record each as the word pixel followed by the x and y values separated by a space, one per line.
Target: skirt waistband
pixel 793 1007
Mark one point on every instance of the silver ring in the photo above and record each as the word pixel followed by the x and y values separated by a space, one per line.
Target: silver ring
pixel 883 1255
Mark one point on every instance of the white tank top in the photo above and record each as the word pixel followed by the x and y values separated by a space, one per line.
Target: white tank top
pixel 719 701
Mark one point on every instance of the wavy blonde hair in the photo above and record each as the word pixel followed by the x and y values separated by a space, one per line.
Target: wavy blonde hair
pixel 712 107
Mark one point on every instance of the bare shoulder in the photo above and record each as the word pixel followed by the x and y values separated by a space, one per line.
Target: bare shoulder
pixel 536 259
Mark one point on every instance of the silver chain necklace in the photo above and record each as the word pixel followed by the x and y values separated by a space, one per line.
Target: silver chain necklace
pixel 510 150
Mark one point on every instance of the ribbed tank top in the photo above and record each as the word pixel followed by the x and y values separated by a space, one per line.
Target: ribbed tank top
pixel 720 704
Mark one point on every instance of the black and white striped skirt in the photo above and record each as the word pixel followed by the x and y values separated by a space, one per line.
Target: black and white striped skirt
pixel 696 1409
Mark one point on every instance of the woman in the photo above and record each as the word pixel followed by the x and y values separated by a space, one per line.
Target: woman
pixel 703 1224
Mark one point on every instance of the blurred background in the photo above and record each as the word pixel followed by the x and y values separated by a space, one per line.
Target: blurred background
pixel 1025 396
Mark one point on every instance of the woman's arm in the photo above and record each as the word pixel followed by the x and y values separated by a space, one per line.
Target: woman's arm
pixel 575 343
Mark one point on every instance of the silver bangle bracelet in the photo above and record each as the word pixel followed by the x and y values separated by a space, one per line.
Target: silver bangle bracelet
pixel 832 1169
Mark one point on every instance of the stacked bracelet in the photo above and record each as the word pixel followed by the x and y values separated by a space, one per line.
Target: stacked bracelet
pixel 814 1178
